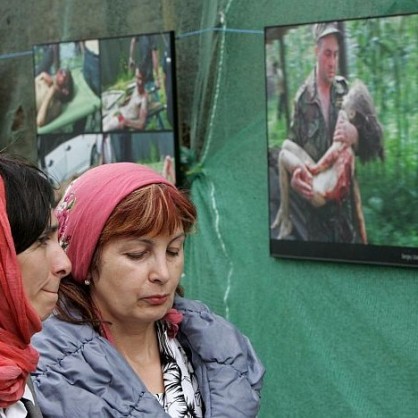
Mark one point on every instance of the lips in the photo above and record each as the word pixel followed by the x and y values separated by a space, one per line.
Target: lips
pixel 156 299
pixel 50 293
pixel 51 290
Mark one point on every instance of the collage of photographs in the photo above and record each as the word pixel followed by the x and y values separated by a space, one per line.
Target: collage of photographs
pixel 105 100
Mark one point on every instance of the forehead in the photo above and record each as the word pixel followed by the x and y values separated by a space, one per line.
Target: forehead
pixel 329 42
pixel 153 239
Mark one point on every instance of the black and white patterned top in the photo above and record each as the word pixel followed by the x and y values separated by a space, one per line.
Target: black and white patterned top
pixel 182 398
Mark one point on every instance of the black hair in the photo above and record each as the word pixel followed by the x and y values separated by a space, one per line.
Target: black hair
pixel 65 98
pixel 141 68
pixel 29 199
pixel 358 103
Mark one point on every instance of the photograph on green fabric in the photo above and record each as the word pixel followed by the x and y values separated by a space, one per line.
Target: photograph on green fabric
pixel 106 100
pixel 342 123
pixel 66 101
pixel 65 157
pixel 136 83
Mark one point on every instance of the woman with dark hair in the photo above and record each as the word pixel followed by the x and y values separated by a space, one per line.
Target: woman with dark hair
pixel 31 266
pixel 123 341
pixel 51 93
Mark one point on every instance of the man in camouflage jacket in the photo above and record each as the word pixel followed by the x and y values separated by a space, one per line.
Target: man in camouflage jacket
pixel 314 128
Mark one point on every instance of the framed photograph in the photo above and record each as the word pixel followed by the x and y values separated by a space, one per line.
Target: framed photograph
pixel 100 101
pixel 342 141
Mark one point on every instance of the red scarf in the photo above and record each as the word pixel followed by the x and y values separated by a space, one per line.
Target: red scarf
pixel 18 320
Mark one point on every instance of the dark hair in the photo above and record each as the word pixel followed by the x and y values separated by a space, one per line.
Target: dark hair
pixel 358 103
pixel 29 199
pixel 150 210
pixel 142 68
pixel 69 85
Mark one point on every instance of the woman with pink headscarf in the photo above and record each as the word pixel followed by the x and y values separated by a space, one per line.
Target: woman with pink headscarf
pixel 123 341
pixel 32 264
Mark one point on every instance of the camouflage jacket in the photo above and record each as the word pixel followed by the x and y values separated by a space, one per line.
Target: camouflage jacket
pixel 309 129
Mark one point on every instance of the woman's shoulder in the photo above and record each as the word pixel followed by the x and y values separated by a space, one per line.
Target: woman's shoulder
pixel 54 329
pixel 197 314
pixel 226 355
pixel 190 305
pixel 80 372
pixel 204 329
pixel 59 339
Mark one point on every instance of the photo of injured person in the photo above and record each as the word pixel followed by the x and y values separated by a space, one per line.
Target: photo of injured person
pixel 341 130
pixel 136 91
pixel 100 101
pixel 65 81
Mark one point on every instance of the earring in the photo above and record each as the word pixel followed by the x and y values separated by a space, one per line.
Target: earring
pixel 87 282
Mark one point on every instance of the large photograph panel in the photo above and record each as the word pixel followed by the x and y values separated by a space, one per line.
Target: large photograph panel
pixel 342 139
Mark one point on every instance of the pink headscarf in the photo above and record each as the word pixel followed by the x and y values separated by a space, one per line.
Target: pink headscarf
pixel 89 201
pixel 18 320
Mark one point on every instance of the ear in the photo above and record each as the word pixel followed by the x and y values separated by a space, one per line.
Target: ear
pixel 351 114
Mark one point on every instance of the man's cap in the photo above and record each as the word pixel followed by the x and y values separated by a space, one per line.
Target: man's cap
pixel 324 29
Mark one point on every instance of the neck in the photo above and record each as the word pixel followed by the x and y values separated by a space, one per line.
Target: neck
pixel 137 343
pixel 324 91
pixel 141 351
pixel 324 87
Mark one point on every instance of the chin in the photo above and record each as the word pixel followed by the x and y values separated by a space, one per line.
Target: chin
pixel 45 315
pixel 45 310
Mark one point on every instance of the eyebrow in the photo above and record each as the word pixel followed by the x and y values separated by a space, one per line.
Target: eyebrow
pixel 181 235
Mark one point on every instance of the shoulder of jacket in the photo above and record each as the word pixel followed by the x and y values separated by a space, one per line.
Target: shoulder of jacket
pixel 59 340
pixel 203 330
pixel 190 305
pixel 306 91
pixel 301 91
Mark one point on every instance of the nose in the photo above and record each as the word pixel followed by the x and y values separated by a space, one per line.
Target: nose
pixel 333 60
pixel 159 272
pixel 62 264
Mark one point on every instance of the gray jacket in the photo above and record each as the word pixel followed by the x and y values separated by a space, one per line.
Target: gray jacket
pixel 80 374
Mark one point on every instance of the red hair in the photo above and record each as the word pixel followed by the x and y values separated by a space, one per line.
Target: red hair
pixel 152 210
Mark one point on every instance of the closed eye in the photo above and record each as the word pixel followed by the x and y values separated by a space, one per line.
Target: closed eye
pixel 43 239
pixel 173 253
pixel 136 256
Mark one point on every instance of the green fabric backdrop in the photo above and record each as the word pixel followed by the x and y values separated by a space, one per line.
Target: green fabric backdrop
pixel 337 340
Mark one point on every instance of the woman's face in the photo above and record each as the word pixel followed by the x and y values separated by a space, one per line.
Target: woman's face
pixel 137 278
pixel 43 265
pixel 61 77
